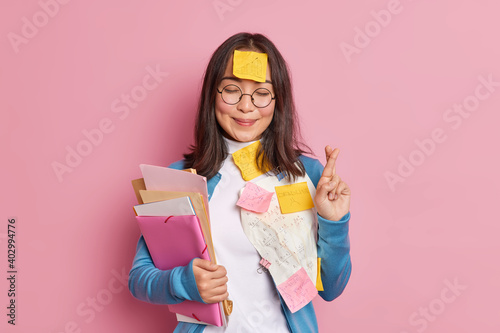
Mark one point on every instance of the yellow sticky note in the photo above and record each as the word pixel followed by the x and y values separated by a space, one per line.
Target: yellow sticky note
pixel 294 198
pixel 246 160
pixel 250 65
pixel 319 283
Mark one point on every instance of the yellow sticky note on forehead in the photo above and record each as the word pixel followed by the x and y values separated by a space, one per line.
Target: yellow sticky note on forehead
pixel 246 160
pixel 250 65
pixel 294 198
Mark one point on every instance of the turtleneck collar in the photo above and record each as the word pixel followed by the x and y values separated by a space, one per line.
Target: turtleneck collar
pixel 233 145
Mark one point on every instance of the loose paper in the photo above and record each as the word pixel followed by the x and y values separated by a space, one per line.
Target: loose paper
pixel 255 198
pixel 286 241
pixel 246 160
pixel 175 207
pixel 250 65
pixel 294 198
pixel 298 290
pixel 165 179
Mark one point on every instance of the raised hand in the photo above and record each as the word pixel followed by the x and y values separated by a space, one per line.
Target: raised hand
pixel 333 196
pixel 211 280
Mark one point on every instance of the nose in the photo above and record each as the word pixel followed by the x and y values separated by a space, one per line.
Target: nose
pixel 245 104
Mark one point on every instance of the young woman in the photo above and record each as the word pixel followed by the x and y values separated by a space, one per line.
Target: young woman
pixel 234 113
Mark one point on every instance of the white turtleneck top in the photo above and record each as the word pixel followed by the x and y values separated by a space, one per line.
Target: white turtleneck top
pixel 257 307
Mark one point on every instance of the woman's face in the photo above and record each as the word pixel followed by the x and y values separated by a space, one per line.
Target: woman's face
pixel 243 121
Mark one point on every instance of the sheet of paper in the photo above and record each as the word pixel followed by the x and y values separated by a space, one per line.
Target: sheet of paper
pixel 255 198
pixel 165 179
pixel 297 291
pixel 138 185
pixel 286 241
pixel 153 196
pixel 175 207
pixel 246 160
pixel 294 198
pixel 189 319
pixel 250 65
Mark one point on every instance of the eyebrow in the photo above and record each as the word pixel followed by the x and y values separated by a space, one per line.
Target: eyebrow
pixel 234 78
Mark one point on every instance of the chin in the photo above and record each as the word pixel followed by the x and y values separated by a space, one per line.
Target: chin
pixel 246 138
pixel 243 140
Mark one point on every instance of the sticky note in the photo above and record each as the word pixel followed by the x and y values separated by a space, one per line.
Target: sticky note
pixel 250 65
pixel 298 290
pixel 255 198
pixel 294 198
pixel 319 283
pixel 246 160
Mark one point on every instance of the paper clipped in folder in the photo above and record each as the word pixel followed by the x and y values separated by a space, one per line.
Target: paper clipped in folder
pixel 176 206
pixel 174 241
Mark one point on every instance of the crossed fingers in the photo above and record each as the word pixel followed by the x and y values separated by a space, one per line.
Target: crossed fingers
pixel 329 176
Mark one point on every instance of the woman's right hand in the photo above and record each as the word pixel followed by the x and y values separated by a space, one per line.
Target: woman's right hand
pixel 211 280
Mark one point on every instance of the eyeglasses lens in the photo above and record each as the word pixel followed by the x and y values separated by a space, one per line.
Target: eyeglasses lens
pixel 261 97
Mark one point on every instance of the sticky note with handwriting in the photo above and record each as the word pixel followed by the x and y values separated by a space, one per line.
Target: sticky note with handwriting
pixel 294 198
pixel 250 65
pixel 298 290
pixel 246 160
pixel 255 198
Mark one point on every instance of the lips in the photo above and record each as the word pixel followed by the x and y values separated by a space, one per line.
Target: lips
pixel 245 122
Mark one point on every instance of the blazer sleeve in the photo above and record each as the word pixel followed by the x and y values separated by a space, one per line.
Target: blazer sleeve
pixel 333 243
pixel 334 251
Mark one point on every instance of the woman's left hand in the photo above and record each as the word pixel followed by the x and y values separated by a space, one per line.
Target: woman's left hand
pixel 333 196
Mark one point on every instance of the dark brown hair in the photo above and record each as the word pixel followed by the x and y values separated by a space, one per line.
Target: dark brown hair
pixel 280 142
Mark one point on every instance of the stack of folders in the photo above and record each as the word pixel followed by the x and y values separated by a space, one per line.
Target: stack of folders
pixel 174 220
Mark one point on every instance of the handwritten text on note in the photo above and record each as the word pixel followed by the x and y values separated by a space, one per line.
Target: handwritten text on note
pixel 298 290
pixel 246 160
pixel 255 198
pixel 294 198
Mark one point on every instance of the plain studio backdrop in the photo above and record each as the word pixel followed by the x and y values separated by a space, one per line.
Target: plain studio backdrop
pixel 408 90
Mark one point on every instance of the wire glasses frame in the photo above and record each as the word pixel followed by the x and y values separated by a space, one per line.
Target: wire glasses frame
pixel 232 94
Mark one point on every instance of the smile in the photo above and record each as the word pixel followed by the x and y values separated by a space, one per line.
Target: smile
pixel 245 122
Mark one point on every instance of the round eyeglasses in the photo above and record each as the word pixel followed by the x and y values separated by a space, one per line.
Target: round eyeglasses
pixel 232 94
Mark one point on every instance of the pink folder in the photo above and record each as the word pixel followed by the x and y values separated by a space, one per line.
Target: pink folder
pixel 174 241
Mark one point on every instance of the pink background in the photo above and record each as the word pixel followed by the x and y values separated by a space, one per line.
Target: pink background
pixel 435 227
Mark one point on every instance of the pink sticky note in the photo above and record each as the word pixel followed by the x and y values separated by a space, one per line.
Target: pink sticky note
pixel 298 290
pixel 255 198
